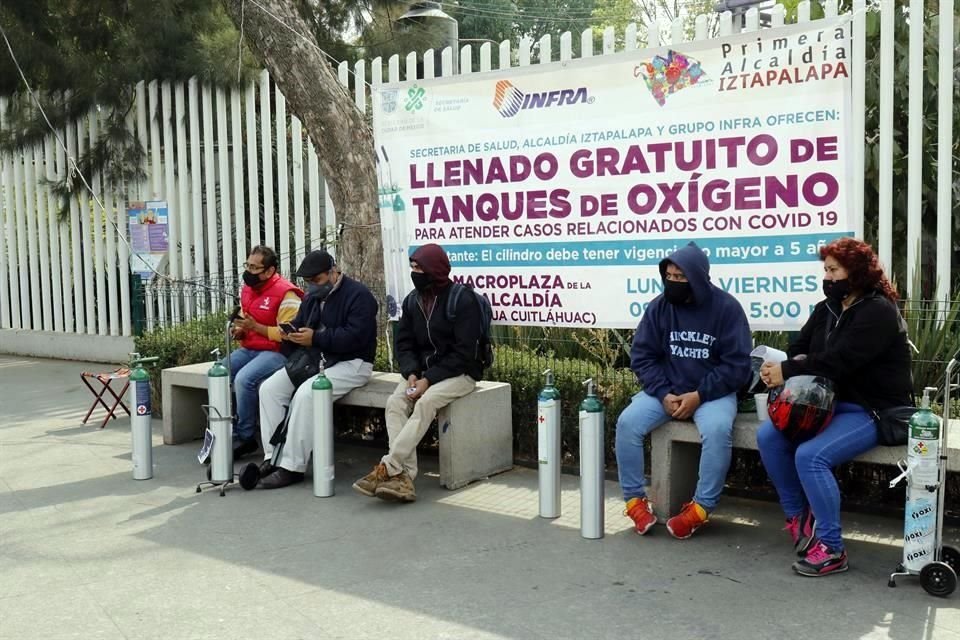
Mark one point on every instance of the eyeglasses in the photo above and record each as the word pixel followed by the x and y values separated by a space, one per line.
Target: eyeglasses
pixel 254 268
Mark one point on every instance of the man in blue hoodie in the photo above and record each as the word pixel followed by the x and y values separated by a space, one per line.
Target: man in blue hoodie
pixel 691 354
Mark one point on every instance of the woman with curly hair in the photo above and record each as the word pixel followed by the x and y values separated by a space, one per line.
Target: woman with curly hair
pixel 857 338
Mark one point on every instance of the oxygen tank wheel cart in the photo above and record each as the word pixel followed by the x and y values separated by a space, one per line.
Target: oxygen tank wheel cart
pixel 219 414
pixel 924 553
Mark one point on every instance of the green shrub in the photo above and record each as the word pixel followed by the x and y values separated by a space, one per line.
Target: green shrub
pixel 523 370
pixel 187 343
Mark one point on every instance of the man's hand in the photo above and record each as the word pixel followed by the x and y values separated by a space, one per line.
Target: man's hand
pixel 419 388
pixel 411 380
pixel 688 404
pixel 246 324
pixel 671 403
pixel 303 337
pixel 237 333
pixel 772 374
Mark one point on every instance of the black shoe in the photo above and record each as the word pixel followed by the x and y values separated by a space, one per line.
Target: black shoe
pixel 280 478
pixel 252 473
pixel 243 448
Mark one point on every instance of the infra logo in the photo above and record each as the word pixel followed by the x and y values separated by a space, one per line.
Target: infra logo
pixel 507 99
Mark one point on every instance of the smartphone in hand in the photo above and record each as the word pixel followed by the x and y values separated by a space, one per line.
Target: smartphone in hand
pixel 286 327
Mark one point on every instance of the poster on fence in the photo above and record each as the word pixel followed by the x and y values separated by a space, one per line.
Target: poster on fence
pixel 149 236
pixel 557 189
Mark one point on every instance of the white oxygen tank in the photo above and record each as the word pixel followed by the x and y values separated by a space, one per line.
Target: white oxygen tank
pixel 140 430
pixel 323 463
pixel 221 421
pixel 923 477
pixel 591 465
pixel 548 448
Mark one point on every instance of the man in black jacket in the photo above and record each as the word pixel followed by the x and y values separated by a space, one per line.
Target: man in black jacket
pixel 439 361
pixel 336 325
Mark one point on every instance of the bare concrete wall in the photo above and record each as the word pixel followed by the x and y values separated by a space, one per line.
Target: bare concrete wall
pixel 65 346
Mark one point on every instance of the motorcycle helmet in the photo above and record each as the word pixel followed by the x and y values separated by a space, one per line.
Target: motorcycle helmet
pixel 802 407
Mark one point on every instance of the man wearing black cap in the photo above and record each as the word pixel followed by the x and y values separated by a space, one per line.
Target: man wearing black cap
pixel 336 326
pixel 439 361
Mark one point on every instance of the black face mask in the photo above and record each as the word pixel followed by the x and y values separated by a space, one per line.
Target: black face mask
pixel 320 291
pixel 252 279
pixel 837 289
pixel 421 281
pixel 676 292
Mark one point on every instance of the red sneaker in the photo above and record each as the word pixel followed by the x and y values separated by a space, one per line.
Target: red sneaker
pixel 641 512
pixel 691 517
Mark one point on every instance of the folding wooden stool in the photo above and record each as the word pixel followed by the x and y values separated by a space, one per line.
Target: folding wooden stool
pixel 123 373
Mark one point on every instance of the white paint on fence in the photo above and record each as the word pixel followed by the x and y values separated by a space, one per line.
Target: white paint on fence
pixel 885 215
pixel 283 207
pixel 230 267
pixel 945 149
pixel 296 166
pixel 30 212
pixel 76 239
pixel 236 147
pixel 914 144
pixel 266 162
pixel 196 181
pixel 43 233
pixel 210 191
pixel 6 219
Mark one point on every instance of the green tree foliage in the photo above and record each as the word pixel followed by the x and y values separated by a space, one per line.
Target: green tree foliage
pixel 78 55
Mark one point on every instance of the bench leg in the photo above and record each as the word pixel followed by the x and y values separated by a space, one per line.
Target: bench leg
pixel 183 419
pixel 476 437
pixel 674 469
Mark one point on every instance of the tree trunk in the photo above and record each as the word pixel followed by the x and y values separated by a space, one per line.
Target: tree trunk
pixel 339 131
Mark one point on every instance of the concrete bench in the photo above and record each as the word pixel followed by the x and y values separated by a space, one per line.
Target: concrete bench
pixel 476 431
pixel 675 457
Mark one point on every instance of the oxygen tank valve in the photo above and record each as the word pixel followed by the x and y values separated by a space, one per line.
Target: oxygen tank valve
pixel 925 403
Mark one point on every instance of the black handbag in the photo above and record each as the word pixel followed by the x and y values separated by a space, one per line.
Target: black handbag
pixel 893 425
pixel 301 365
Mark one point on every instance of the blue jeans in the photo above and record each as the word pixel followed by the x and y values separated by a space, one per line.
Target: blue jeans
pixel 714 420
pixel 248 368
pixel 803 474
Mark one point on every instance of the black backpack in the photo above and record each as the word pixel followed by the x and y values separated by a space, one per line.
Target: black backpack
pixel 485 347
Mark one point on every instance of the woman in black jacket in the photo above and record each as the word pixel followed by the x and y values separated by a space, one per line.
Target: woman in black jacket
pixel 857 338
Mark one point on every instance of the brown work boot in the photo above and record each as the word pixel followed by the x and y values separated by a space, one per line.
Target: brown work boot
pixel 367 485
pixel 398 488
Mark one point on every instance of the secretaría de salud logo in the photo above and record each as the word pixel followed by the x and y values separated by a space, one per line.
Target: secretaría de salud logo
pixel 508 100
pixel 665 76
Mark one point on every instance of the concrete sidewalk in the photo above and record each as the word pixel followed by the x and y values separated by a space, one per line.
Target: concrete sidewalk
pixel 87 552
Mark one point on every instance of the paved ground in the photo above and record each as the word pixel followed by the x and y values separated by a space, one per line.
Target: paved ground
pixel 87 552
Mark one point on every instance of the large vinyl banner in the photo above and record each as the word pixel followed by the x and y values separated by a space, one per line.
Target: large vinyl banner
pixel 557 190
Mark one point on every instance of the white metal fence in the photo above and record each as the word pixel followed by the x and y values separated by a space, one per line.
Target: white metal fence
pixel 216 157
